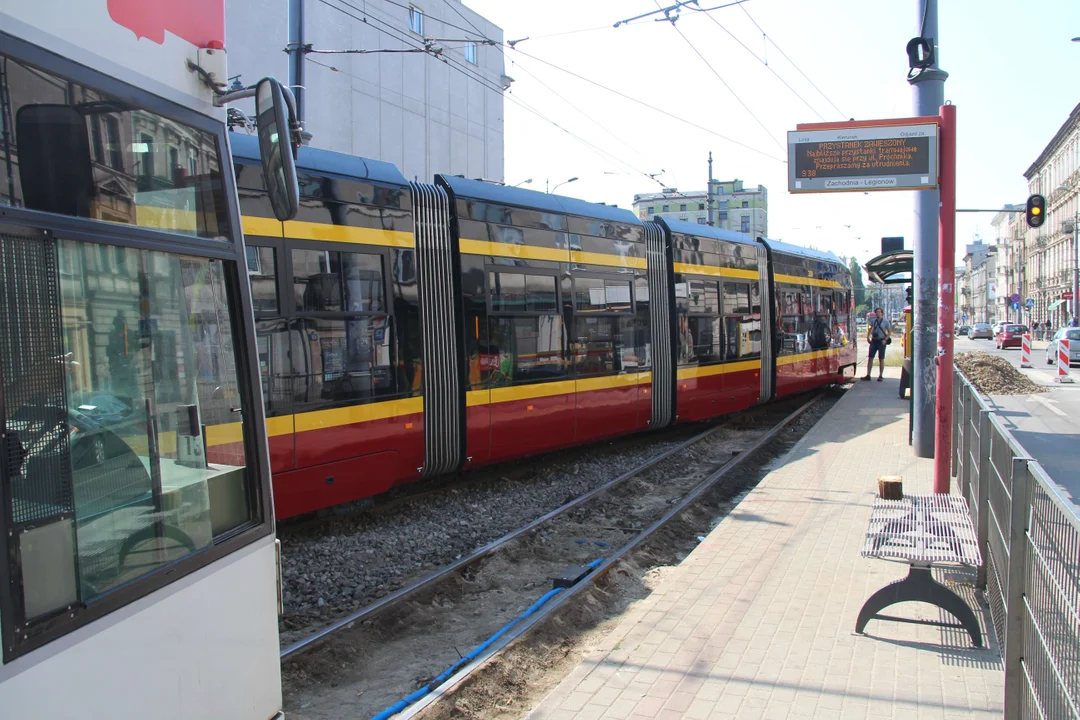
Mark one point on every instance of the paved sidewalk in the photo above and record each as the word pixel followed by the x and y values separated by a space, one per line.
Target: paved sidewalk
pixel 758 621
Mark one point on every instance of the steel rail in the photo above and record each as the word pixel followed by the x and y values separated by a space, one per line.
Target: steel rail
pixel 316 638
pixel 518 632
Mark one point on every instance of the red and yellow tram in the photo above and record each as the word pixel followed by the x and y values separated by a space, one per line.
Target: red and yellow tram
pixel 409 329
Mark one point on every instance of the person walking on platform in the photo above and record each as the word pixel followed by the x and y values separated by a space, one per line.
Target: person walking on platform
pixel 878 334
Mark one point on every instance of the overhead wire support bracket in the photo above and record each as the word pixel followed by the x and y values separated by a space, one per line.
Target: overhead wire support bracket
pixel 666 10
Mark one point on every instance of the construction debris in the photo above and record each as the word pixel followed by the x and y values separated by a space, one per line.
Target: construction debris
pixel 994 375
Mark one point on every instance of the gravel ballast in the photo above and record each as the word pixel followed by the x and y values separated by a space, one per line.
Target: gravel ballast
pixel 343 563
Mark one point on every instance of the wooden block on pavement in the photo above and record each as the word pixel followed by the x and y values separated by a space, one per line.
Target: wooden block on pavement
pixel 891 487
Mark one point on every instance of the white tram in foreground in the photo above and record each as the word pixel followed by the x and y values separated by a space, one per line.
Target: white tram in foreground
pixel 138 568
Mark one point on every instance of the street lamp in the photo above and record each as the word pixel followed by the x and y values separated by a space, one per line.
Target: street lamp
pixel 523 182
pixel 561 184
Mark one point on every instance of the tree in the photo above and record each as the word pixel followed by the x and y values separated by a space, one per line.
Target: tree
pixel 857 282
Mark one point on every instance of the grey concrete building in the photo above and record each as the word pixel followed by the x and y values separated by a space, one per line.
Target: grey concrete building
pixel 435 109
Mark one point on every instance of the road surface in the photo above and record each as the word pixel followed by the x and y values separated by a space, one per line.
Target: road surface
pixel 1046 424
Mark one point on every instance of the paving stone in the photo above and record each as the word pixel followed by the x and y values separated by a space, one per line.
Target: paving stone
pixel 758 620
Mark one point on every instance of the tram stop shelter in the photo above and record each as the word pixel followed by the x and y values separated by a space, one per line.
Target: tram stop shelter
pixel 897 268
pixel 892 268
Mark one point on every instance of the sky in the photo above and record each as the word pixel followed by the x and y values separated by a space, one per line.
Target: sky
pixel 1014 75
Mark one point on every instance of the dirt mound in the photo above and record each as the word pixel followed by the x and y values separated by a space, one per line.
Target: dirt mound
pixel 994 375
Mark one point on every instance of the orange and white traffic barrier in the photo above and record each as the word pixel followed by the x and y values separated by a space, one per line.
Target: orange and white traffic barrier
pixel 1025 350
pixel 1063 362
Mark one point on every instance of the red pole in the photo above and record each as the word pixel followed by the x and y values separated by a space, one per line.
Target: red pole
pixel 946 298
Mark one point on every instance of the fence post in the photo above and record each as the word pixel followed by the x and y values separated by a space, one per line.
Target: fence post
pixel 969 415
pixel 983 498
pixel 958 397
pixel 1014 601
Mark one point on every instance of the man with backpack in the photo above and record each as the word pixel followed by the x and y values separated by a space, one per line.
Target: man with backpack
pixel 878 334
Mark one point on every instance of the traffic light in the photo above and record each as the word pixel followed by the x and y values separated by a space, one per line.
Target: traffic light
pixel 908 296
pixel 1036 211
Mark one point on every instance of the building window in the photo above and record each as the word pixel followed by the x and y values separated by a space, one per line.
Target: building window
pixel 470 52
pixel 664 209
pixel 682 208
pixel 744 224
pixel 112 143
pixel 651 209
pixel 146 156
pixel 701 206
pixel 745 203
pixel 416 21
pixel 723 215
pixel 701 221
pixel 99 144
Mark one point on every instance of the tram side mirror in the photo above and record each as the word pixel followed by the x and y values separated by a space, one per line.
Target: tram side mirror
pixel 276 119
pixel 54 159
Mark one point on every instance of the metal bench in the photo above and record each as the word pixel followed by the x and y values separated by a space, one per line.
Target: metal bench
pixel 924 531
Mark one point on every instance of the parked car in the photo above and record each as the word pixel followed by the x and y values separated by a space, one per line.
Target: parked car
pixel 1010 336
pixel 963 330
pixel 1073 336
pixel 981 330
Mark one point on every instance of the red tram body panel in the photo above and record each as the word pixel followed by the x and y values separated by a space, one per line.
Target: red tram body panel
pixel 409 330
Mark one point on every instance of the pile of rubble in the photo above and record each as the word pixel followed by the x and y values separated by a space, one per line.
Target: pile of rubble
pixel 994 375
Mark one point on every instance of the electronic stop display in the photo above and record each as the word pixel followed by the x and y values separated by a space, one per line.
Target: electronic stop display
pixel 889 157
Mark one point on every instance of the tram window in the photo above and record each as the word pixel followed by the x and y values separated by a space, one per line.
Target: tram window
pixel 601 295
pixel 704 296
pixel 317 280
pixel 796 315
pixel 262 273
pixel 136 439
pixel 321 277
pixel 124 175
pixel 736 298
pixel 363 278
pixel 507 292
pixel 742 320
pixel 702 339
pixel 340 362
pixel 596 345
pixel 526 349
pixel 272 340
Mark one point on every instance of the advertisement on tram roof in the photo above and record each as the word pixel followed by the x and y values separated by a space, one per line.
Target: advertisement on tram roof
pixel 143 42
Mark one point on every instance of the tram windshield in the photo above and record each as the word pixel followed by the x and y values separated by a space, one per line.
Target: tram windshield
pixel 124 444
pixel 81 152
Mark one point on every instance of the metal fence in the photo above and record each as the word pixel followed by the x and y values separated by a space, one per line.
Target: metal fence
pixel 1029 535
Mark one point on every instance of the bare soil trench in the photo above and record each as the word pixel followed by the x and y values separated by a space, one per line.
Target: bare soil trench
pixel 368 667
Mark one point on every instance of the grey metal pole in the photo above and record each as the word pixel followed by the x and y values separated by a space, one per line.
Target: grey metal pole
pixel 297 52
pixel 929 88
pixel 709 194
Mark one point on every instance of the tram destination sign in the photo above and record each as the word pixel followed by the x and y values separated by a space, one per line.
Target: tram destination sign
pixel 862 158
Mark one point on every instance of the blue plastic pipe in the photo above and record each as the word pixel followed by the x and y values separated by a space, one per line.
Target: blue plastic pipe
pixel 410 699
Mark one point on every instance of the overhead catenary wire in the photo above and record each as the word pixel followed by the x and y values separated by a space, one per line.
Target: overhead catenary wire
pixel 444 22
pixel 729 88
pixel 793 63
pixel 469 72
pixel 587 116
pixel 654 108
pixel 765 62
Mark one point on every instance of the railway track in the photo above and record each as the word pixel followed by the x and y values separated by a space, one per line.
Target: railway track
pixel 370 658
